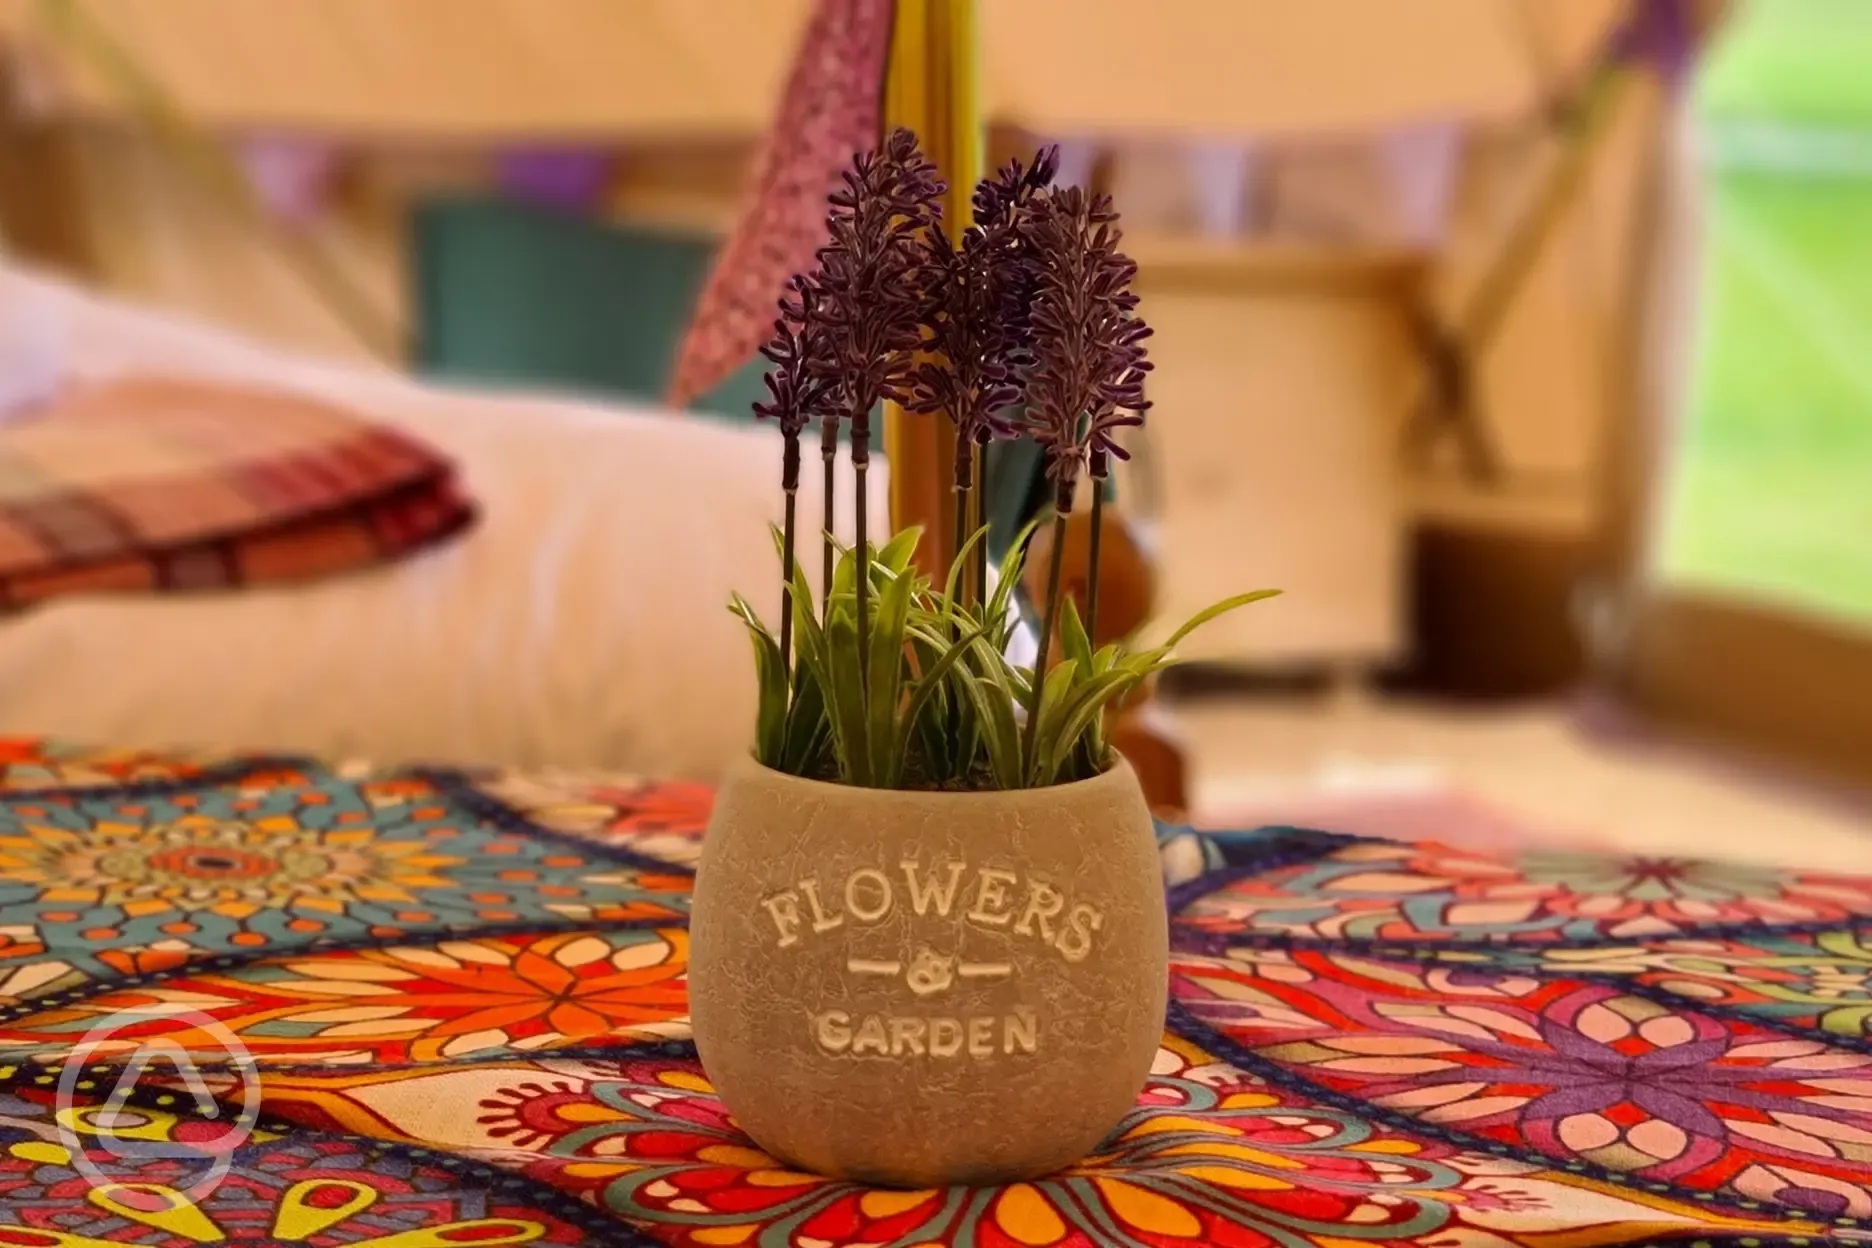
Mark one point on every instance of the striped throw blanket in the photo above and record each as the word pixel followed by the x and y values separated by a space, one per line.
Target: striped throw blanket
pixel 158 484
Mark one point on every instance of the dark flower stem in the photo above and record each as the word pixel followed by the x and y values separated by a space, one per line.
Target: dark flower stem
pixel 1100 471
pixel 1092 574
pixel 786 590
pixel 873 283
pixel 1087 381
pixel 828 454
pixel 861 463
pixel 793 394
pixel 964 506
pixel 1050 621
pixel 981 518
pixel 789 539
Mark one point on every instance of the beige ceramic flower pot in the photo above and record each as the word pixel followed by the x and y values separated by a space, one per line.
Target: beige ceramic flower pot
pixel 918 989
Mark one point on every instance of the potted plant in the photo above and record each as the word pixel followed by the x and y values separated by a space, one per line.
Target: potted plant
pixel 929 937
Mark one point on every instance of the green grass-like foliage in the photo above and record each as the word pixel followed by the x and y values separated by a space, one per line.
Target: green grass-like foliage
pixel 941 706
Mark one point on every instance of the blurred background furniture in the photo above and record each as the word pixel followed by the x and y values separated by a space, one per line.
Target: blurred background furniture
pixel 1323 196
pixel 520 294
pixel 1273 455
pixel 1284 128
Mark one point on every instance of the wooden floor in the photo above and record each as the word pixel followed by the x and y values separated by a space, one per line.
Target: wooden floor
pixel 1254 759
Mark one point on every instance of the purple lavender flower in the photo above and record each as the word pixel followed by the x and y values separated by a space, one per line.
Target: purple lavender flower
pixel 1087 379
pixel 1001 205
pixel 978 297
pixel 798 389
pixel 978 293
pixel 873 277
pixel 1089 359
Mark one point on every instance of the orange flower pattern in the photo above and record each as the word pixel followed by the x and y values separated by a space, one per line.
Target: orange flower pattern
pixel 465 999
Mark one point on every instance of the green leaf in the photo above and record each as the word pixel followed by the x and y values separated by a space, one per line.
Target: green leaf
pixel 806 625
pixel 1147 661
pixel 845 573
pixel 1053 693
pixel 885 690
pixel 958 567
pixel 926 634
pixel 1098 749
pixel 845 698
pixel 897 552
pixel 932 681
pixel 939 739
pixel 1074 644
pixel 809 641
pixel 1221 608
pixel 1090 757
pixel 932 738
pixel 948 607
pixel 964 738
pixel 1000 735
pixel 940 700
pixel 1081 714
pixel 810 644
pixel 808 734
pixel 992 691
pixel 1008 580
pixel 962 745
pixel 770 676
pixel 1016 558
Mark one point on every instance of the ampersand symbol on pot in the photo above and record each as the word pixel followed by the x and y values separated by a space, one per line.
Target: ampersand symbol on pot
pixel 930 972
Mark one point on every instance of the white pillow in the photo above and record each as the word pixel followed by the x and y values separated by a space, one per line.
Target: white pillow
pixel 582 623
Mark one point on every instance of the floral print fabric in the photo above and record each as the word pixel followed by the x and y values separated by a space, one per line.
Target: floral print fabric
pixel 460 1005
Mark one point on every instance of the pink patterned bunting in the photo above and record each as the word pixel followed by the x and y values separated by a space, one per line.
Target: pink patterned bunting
pixel 830 109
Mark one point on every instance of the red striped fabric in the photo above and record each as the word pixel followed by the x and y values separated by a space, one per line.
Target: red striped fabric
pixel 154 484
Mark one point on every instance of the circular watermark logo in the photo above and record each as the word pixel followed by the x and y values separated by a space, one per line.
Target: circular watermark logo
pixel 203 1129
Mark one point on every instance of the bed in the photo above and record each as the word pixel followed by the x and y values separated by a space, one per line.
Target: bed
pixel 565 629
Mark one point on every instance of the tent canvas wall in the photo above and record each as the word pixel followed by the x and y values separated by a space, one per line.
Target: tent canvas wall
pixel 461 76
pixel 423 91
pixel 571 70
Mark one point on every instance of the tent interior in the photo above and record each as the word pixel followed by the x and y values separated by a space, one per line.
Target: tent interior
pixel 1441 296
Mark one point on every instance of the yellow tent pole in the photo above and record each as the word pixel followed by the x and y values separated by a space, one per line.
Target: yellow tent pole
pixel 929 86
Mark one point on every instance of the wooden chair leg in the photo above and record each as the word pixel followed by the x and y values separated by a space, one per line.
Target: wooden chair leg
pixel 1158 761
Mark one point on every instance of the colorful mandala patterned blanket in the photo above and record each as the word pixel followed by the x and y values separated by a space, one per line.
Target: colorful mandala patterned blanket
pixel 253 1000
